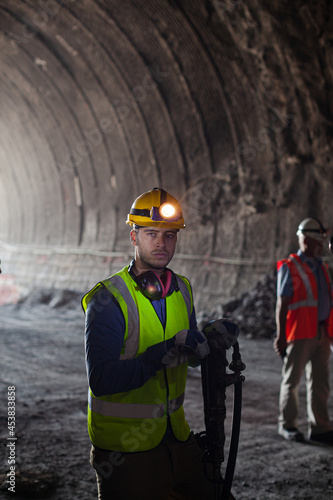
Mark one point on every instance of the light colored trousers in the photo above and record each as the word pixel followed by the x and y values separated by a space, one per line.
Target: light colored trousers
pixel 311 356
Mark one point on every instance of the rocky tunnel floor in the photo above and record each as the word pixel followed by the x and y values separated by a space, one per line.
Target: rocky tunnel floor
pixel 42 352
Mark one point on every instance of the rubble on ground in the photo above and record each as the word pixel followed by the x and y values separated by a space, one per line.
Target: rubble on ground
pixel 253 311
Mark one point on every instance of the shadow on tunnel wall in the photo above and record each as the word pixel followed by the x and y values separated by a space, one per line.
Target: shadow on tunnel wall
pixel 225 104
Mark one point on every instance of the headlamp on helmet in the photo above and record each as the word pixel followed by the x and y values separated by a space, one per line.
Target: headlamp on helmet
pixel 156 208
pixel 167 211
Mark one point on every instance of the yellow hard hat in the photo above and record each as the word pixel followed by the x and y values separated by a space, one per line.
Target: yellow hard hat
pixel 156 208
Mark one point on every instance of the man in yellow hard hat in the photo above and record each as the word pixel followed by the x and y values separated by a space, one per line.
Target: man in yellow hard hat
pixel 141 334
pixel 304 318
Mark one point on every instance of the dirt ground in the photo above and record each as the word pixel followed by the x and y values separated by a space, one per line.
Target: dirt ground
pixel 42 355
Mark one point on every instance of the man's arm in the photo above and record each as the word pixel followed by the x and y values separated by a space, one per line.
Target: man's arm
pixel 105 330
pixel 284 293
pixel 280 342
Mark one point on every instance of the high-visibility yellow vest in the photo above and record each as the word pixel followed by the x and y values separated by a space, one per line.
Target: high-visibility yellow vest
pixel 136 420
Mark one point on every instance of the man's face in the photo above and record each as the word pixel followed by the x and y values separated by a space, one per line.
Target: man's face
pixel 312 246
pixel 154 247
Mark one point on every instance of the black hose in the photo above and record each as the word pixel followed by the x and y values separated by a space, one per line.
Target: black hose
pixel 236 421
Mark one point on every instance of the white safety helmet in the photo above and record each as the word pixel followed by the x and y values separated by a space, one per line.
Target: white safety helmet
pixel 313 228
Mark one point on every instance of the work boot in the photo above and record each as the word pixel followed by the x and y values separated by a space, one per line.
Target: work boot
pixel 324 438
pixel 291 434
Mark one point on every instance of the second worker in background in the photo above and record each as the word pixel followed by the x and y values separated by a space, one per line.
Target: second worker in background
pixel 304 320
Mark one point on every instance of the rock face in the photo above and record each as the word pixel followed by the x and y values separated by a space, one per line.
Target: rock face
pixel 254 310
pixel 226 104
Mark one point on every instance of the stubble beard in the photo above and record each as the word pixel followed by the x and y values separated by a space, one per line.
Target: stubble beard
pixel 148 261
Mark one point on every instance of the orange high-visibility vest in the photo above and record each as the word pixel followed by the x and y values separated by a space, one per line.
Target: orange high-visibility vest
pixel 302 316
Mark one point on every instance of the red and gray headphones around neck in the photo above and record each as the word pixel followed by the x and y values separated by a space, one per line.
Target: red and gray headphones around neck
pixel 154 287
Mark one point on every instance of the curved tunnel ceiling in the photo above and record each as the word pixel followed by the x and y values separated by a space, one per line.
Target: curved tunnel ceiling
pixel 103 105
pixel 214 101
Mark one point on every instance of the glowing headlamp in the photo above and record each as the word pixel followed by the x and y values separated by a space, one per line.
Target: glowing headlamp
pixel 156 206
pixel 165 212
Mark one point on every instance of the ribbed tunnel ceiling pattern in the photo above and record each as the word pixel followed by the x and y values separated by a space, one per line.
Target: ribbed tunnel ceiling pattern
pixel 99 103
pixel 227 105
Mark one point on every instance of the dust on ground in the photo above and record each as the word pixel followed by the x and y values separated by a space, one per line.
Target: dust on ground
pixel 42 355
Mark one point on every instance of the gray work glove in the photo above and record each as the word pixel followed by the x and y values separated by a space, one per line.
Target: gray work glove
pixel 186 344
pixel 221 333
pixel 182 346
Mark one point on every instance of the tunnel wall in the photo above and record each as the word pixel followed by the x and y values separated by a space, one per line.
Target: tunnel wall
pixel 225 104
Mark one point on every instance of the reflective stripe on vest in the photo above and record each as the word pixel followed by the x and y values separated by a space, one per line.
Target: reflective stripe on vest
pixel 310 300
pixel 129 410
pixel 186 296
pixel 132 342
pixel 160 399
pixel 175 404
pixel 302 317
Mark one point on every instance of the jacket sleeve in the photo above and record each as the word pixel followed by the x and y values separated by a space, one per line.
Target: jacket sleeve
pixel 104 338
pixel 284 282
